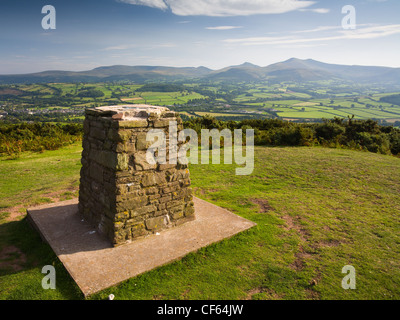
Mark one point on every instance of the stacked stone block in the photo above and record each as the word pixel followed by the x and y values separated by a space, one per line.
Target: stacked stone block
pixel 121 193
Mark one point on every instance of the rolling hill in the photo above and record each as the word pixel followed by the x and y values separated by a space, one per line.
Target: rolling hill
pixel 296 70
pixel 312 70
pixel 110 73
pixel 317 210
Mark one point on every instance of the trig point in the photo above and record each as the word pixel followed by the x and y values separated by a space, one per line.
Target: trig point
pixel 121 194
pixel 123 197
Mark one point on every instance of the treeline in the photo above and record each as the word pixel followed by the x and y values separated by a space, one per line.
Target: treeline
pixel 37 137
pixel 160 87
pixel 337 133
pixel 348 133
pixel 20 117
pixel 90 93
pixel 393 99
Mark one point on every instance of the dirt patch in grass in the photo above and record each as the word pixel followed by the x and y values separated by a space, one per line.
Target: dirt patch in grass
pixel 293 223
pixel 199 191
pixel 301 257
pixel 15 213
pixel 312 295
pixel 263 294
pixel 12 258
pixel 205 192
pixel 298 264
pixel 185 293
pixel 253 292
pixel 263 205
pixel 18 212
pixel 328 243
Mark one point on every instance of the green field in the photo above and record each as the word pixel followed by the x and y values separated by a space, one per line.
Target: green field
pixel 202 114
pixel 309 111
pixel 36 102
pixel 167 98
pixel 317 210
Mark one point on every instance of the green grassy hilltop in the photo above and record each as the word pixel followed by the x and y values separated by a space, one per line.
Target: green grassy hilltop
pixel 317 210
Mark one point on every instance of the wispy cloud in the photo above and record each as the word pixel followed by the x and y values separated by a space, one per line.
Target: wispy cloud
pixel 319 29
pixel 159 4
pixel 132 46
pixel 164 45
pixel 330 28
pixel 317 10
pixel 225 8
pixel 223 28
pixel 370 32
pixel 119 47
pixel 81 57
pixel 298 46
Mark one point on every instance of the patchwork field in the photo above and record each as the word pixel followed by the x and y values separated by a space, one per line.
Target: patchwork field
pixel 66 102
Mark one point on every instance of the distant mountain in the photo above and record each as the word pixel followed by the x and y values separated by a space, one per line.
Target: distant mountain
pixel 296 70
pixel 112 73
pixel 312 70
pixel 245 72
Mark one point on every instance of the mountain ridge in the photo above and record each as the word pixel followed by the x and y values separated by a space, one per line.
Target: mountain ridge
pixel 293 69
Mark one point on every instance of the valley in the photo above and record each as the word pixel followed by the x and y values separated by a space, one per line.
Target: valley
pixel 300 102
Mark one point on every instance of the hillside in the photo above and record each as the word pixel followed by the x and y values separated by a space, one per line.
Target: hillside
pixel 138 74
pixel 314 70
pixel 291 70
pixel 317 210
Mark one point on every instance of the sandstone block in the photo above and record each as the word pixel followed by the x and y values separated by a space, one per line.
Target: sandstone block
pixel 134 124
pixel 157 223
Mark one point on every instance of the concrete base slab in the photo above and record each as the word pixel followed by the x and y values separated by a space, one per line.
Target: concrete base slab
pixel 95 265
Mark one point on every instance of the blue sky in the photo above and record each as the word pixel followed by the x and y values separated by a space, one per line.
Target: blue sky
pixel 211 33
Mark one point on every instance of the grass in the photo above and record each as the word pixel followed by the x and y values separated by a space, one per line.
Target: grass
pixel 28 179
pixel 316 210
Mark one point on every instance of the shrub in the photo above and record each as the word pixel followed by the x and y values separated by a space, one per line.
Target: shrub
pixel 329 131
pixel 395 142
pixel 377 143
pixel 37 137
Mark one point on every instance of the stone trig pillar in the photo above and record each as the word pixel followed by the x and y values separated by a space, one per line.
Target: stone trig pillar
pixel 121 194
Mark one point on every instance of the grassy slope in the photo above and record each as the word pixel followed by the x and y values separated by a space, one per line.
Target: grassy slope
pixel 28 179
pixel 317 210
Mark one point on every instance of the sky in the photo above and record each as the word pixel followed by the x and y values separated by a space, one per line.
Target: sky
pixel 193 33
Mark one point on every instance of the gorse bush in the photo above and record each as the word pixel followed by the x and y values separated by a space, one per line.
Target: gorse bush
pixel 37 137
pixel 377 143
pixel 336 133
pixel 394 137
pixel 345 133
pixel 329 131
